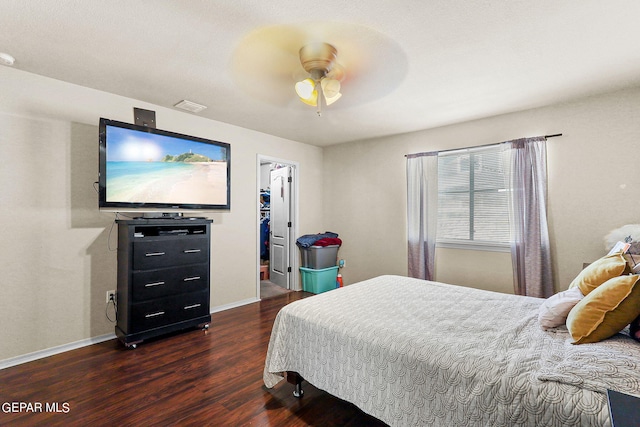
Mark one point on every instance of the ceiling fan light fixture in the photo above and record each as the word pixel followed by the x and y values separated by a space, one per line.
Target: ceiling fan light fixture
pixel 330 87
pixel 318 59
pixel 305 88
pixel 331 100
pixel 311 100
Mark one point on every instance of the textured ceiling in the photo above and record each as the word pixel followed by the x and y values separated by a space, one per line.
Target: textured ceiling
pixel 410 64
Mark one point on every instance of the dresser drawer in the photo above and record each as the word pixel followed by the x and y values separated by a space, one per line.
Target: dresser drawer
pixel 169 281
pixel 195 304
pixel 169 252
pixel 164 311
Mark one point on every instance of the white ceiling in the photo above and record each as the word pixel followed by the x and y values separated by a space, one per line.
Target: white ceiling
pixel 410 64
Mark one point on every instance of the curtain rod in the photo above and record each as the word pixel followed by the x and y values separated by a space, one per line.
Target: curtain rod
pixel 477 146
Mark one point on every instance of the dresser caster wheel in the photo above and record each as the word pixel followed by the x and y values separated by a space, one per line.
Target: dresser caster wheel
pixel 132 346
pixel 205 327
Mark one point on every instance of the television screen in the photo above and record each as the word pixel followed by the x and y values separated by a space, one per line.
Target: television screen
pixel 144 168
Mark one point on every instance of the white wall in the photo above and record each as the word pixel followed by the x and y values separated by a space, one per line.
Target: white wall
pixel 594 187
pixel 58 251
pixel 58 254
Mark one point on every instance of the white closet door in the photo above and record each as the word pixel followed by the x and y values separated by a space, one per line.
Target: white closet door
pixel 280 226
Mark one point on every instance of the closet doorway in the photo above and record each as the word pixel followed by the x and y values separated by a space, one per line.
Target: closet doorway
pixel 277 226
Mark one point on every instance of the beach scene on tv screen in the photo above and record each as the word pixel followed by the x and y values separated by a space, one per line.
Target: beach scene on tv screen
pixel 143 167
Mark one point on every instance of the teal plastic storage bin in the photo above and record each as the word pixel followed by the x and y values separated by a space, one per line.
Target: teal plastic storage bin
pixel 318 281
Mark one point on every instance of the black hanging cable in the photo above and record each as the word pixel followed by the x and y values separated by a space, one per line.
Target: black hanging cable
pixel 115 309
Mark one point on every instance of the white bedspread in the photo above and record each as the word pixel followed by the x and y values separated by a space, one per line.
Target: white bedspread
pixel 411 352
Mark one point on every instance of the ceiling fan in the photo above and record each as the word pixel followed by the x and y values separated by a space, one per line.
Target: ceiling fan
pixel 320 62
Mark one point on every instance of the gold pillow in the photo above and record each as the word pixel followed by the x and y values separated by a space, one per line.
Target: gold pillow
pixel 605 311
pixel 598 272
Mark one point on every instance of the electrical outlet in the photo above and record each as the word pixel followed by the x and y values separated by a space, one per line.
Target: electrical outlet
pixel 111 295
pixel 341 263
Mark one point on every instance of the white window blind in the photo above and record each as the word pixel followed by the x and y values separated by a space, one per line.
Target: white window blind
pixel 472 200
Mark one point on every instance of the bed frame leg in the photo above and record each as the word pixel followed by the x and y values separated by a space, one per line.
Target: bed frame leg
pixel 296 379
pixel 298 392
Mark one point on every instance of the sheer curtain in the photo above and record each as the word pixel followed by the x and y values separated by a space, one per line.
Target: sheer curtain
pixel 526 179
pixel 422 213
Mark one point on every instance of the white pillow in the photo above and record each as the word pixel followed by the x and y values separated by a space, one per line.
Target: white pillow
pixel 555 309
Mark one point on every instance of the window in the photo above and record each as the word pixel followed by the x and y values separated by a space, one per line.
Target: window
pixel 472 199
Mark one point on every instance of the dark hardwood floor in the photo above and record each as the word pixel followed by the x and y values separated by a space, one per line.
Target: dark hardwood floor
pixel 199 378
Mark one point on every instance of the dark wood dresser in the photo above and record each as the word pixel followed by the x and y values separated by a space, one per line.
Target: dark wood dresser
pixel 163 277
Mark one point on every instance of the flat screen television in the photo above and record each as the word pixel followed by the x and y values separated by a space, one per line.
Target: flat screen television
pixel 148 169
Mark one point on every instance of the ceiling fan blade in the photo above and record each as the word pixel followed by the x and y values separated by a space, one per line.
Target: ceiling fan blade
pixel 266 63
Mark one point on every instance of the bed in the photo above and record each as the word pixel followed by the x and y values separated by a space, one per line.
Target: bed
pixel 414 352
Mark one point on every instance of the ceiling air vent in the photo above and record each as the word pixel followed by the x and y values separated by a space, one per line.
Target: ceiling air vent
pixel 190 106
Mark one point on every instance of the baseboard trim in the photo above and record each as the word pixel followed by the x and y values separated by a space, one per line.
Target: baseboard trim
pixel 41 354
pixel 234 305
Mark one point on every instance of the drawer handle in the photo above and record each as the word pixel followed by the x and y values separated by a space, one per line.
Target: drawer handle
pixel 192 251
pixel 154 254
pixel 148 285
pixel 189 279
pixel 192 306
pixel 159 313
